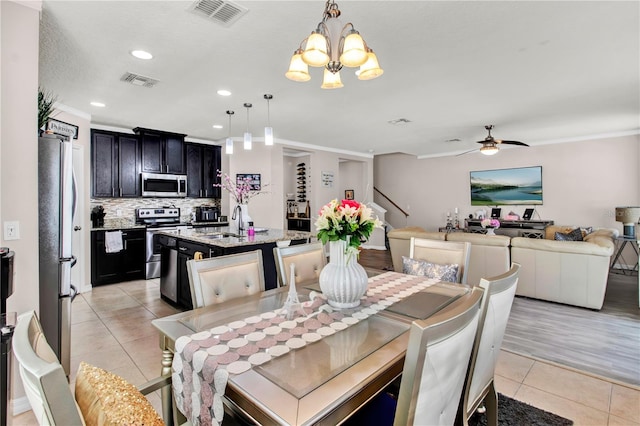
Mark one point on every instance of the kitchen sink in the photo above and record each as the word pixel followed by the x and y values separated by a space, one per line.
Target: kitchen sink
pixel 219 235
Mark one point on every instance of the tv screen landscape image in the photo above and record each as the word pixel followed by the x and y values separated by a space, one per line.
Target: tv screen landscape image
pixel 519 186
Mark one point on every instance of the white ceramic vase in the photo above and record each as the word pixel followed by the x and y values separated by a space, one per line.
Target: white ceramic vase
pixel 343 280
pixel 241 219
pixel 491 231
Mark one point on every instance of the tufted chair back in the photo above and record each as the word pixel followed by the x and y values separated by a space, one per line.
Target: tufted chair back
pixel 308 258
pixel 496 307
pixel 222 278
pixel 436 362
pixel 443 252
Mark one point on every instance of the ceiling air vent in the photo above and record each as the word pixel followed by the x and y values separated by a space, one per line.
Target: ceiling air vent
pixel 138 80
pixel 223 12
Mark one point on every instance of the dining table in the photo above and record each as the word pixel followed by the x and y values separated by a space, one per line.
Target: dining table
pixel 329 363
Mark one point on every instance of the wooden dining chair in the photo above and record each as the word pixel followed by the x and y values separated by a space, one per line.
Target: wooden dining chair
pixel 221 278
pixel 308 258
pixel 434 371
pixel 479 386
pixel 442 253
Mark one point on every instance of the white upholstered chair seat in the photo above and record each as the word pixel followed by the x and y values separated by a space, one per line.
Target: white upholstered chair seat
pixel 496 308
pixel 442 252
pixel 218 279
pixel 308 258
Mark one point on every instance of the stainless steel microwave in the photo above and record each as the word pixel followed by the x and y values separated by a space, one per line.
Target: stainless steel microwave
pixel 164 185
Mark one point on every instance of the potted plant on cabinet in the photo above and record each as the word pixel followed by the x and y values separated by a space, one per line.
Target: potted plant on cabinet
pixel 46 100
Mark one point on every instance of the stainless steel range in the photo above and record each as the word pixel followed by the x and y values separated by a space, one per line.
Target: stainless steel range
pixel 157 219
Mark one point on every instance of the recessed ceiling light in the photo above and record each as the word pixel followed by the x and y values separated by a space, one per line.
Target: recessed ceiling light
pixel 217 126
pixel 223 92
pixel 141 54
pixel 98 104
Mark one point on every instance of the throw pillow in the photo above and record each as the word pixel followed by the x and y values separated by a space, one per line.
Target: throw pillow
pixel 107 399
pixel 586 230
pixel 575 235
pixel 442 272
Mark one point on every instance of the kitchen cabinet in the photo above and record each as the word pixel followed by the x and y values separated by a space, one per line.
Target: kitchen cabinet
pixel 115 164
pixel 203 162
pixel 299 224
pixel 162 152
pixel 174 277
pixel 125 265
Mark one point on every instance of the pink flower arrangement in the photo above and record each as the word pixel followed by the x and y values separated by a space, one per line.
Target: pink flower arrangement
pixel 241 191
pixel 340 220
pixel 490 223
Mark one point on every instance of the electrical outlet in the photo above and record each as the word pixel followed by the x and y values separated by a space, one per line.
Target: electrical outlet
pixel 12 230
pixel 118 212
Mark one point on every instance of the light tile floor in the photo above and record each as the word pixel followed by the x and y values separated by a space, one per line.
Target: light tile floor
pixel 111 328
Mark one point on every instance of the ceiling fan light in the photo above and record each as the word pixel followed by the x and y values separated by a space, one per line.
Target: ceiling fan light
pixel 331 80
pixel 315 52
pixel 268 136
pixel 354 53
pixel 370 69
pixel 489 149
pixel 228 147
pixel 298 69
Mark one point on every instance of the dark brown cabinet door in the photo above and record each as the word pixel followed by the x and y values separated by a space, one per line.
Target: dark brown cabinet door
pixel 129 165
pixel 103 164
pixel 133 255
pixel 152 153
pixel 203 162
pixel 194 170
pixel 174 155
pixel 210 165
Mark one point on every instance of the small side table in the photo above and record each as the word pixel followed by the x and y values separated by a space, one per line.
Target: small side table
pixel 621 242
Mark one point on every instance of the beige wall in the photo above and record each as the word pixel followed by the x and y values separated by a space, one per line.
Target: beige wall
pixel 18 150
pixel 582 181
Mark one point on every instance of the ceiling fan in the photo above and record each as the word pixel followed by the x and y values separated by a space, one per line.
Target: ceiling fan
pixel 490 144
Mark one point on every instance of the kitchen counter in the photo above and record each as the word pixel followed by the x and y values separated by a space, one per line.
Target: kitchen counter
pixel 227 237
pixel 121 223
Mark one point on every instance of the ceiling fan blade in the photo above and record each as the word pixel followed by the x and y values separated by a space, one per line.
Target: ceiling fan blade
pixel 512 142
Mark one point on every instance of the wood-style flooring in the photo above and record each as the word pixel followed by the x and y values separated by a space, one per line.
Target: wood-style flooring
pixel 605 343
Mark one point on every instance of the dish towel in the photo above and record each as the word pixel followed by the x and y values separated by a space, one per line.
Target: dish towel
pixel 113 241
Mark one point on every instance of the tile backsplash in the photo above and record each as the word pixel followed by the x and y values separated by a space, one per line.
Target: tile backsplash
pixel 128 206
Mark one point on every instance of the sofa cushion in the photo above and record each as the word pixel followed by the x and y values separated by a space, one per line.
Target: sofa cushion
pixel 480 239
pixel 415 231
pixel 574 235
pixel 599 246
pixel 442 272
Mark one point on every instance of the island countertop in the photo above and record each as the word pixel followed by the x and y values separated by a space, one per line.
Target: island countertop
pixel 227 237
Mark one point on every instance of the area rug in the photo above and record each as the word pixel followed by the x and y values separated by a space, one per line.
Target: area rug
pixel 512 412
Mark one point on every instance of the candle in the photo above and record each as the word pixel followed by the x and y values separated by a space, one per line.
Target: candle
pixel 455 210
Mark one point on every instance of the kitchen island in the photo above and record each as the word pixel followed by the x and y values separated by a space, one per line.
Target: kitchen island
pixel 179 246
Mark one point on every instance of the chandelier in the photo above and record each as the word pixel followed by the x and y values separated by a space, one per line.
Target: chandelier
pixel 333 45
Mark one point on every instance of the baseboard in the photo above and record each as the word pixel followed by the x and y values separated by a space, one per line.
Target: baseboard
pixel 20 405
pixel 373 247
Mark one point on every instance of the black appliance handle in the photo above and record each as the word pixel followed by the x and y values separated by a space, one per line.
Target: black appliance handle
pixel 74 291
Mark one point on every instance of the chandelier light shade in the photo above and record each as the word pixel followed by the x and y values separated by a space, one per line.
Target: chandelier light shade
pixel 298 69
pixel 228 148
pixel 331 80
pixel 629 216
pixel 370 69
pixel 247 135
pixel 333 45
pixel 268 130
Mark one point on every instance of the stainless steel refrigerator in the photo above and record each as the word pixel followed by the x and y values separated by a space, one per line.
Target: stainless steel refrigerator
pixel 56 207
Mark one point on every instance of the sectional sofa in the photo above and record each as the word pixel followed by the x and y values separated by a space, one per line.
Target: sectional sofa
pixel 569 272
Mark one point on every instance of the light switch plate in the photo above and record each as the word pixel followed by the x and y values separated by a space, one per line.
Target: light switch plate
pixel 11 230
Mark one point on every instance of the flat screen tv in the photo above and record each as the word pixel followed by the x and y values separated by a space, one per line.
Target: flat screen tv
pixel 519 186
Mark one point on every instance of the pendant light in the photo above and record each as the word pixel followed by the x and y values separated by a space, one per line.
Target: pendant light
pixel 247 134
pixel 268 131
pixel 228 149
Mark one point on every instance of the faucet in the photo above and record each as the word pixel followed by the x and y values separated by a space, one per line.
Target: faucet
pixel 237 213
